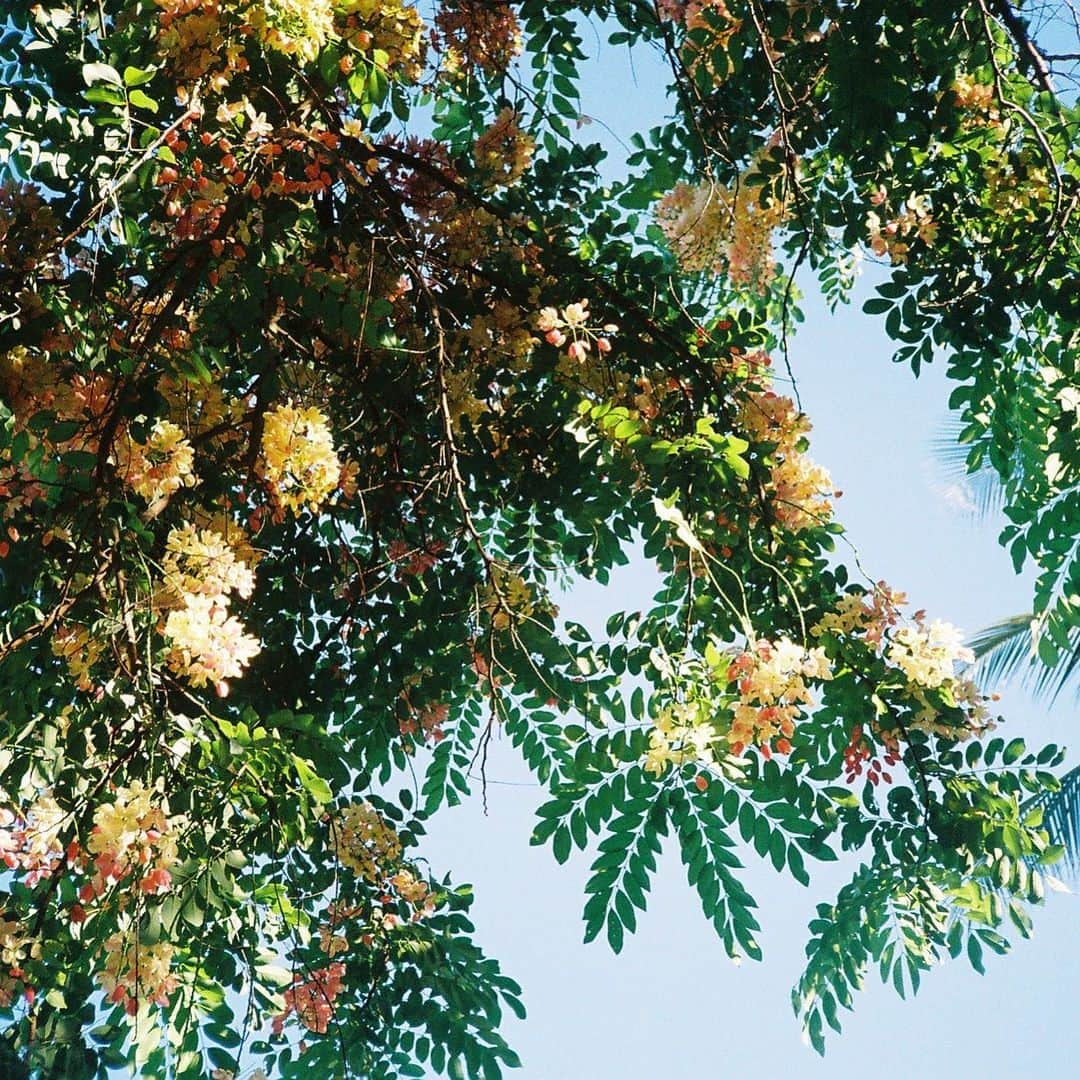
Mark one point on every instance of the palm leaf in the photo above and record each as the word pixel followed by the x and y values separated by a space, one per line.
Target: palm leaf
pixel 981 482
pixel 1005 651
pixel 1061 817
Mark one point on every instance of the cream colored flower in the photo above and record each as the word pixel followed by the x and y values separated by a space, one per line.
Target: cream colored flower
pixel 299 462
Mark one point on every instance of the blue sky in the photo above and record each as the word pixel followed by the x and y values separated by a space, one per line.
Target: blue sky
pixel 672 1004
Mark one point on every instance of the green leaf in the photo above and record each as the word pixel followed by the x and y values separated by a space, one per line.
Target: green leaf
pixel 97 73
pixel 142 101
pixel 134 76
pixel 975 954
pixel 311 782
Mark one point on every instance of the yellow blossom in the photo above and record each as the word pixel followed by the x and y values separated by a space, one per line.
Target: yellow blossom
pixel 158 467
pixel 203 561
pixel 364 842
pixel 299 462
pixel 207 645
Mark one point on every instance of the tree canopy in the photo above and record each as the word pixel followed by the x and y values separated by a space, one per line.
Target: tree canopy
pixel 327 357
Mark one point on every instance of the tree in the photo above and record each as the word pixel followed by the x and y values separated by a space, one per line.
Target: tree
pixel 326 355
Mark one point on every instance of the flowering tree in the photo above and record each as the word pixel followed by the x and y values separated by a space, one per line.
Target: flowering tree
pixel 326 358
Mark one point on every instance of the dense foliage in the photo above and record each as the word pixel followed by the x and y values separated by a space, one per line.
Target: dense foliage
pixel 326 358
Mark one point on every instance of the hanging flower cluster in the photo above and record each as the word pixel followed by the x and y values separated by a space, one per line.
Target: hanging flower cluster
pixel 202 566
pixel 207 644
pixel 312 999
pixel 800 488
pixel 132 835
pixel 486 36
pixel 30 840
pixel 507 598
pixel 727 231
pixel 391 26
pixel 207 562
pixel 298 459
pixel 924 655
pixel 156 468
pixel 977 98
pixel 364 841
pixel 771 680
pixel 135 974
pixel 571 327
pixel 296 27
pixel 80 650
pixel 892 236
pixel 1018 185
pixel 867 615
pixel 503 152
pixel 927 654
pixel 680 735
pixel 859 755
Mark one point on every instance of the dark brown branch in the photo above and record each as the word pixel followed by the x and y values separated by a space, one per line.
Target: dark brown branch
pixel 1028 51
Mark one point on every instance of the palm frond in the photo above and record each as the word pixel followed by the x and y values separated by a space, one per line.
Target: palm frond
pixel 1061 818
pixel 981 483
pixel 1005 651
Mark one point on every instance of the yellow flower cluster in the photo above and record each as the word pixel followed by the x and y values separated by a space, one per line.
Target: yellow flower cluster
pixel 503 331
pixel 1018 190
pixel 135 973
pixel 298 27
pixel 507 597
pixel 391 26
pixel 13 941
pixel 195 39
pixel 771 681
pixel 927 654
pixel 132 833
pixel 967 697
pixel 207 644
pixel 800 487
pixel 503 151
pixel 869 615
pixel 298 458
pixel 893 236
pixel 976 97
pixel 726 231
pixel 31 841
pixel 364 841
pixel 80 650
pixel 201 568
pixel 160 466
pixel 205 562
pixel 487 36
pixel 120 824
pixel 680 735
